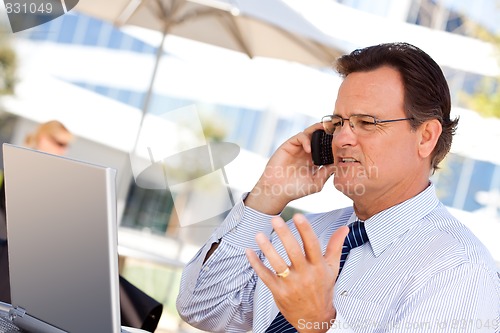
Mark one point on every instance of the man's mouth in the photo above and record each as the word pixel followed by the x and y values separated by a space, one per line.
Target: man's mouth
pixel 348 160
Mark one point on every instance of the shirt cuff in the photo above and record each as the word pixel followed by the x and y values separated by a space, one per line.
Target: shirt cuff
pixel 242 224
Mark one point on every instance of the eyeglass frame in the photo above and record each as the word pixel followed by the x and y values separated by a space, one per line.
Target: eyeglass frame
pixel 351 125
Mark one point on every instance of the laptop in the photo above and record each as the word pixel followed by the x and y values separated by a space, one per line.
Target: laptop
pixel 62 232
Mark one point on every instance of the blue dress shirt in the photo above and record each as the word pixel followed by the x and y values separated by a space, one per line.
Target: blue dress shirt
pixel 421 271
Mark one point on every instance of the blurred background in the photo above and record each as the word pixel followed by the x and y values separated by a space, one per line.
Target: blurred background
pixel 138 92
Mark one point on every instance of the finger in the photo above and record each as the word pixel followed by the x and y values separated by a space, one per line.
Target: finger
pixel 311 129
pixel 312 247
pixel 265 274
pixel 306 143
pixel 276 261
pixel 303 140
pixel 334 247
pixel 291 245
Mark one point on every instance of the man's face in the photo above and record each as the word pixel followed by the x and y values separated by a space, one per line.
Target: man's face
pixel 380 164
pixel 53 144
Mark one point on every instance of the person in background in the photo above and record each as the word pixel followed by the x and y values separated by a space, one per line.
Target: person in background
pixel 50 137
pixel 137 309
pixel 395 261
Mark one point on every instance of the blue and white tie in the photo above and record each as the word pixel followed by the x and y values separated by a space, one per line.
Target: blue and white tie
pixel 356 237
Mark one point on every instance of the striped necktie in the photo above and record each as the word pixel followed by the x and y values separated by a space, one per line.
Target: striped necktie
pixel 356 237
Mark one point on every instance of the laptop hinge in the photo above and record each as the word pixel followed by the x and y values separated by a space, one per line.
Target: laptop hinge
pixel 17 312
pixel 31 324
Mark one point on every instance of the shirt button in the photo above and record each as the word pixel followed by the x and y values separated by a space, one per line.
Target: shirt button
pixel 344 293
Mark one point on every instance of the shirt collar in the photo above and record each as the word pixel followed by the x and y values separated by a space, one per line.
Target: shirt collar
pixel 385 227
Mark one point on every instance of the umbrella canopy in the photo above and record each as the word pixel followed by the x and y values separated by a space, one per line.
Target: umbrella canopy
pixel 266 28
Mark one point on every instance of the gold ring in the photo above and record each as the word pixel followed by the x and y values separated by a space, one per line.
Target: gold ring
pixel 285 273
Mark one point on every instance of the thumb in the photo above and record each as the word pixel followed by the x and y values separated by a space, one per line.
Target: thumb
pixel 334 248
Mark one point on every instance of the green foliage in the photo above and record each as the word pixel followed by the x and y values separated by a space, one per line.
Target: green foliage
pixel 484 34
pixel 8 64
pixel 486 100
pixel 214 127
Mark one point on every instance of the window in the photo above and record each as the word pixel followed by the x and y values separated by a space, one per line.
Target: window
pixel 461 179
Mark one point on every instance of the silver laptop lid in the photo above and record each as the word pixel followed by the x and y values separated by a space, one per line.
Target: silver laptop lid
pixel 62 232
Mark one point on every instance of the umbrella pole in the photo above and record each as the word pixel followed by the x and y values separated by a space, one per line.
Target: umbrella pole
pixel 149 92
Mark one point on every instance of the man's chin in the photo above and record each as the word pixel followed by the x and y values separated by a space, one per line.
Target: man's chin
pixel 351 188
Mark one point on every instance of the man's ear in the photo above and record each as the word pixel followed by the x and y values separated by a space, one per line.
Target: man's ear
pixel 429 133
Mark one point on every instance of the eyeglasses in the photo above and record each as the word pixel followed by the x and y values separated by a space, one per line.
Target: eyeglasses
pixel 360 124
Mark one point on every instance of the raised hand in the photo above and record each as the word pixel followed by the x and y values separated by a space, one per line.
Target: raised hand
pixel 304 291
pixel 289 175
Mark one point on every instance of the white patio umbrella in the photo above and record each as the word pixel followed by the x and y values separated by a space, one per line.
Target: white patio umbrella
pixel 265 28
pixel 257 28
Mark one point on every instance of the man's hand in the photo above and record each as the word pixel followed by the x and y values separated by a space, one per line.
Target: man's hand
pixel 290 174
pixel 305 295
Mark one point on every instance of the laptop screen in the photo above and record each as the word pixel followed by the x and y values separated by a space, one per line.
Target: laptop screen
pixel 62 232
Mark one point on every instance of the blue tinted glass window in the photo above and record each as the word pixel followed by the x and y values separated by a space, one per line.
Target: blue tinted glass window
pixel 479 182
pixel 157 104
pixel 230 116
pixel 248 127
pixel 38 34
pixel 447 180
pixel 92 33
pixel 148 49
pixel 80 84
pixel 46 31
pixel 67 30
pixel 115 39
pixel 124 96
pixel 127 42
pixel 137 99
pixel 137 45
pixel 454 22
pixel 105 33
pixel 102 90
pixel 160 104
pixel 472 83
pixel 83 85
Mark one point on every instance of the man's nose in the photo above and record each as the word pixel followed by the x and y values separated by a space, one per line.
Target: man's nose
pixel 345 135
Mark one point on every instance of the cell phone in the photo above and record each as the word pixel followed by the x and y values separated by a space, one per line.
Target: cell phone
pixel 321 148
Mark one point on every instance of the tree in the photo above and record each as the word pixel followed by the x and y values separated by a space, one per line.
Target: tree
pixel 486 99
pixel 8 64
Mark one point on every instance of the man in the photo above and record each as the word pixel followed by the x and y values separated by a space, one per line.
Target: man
pixel 407 266
pixel 51 137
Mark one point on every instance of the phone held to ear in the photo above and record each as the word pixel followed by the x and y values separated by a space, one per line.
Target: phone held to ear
pixel 321 148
